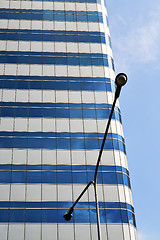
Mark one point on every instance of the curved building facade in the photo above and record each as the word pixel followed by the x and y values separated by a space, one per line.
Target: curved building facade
pixel 57 89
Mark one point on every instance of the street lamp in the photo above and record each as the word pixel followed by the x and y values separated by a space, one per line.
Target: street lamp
pixel 120 81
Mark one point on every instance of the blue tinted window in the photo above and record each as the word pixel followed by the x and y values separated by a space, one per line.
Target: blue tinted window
pixel 113 216
pixel 34 16
pixel 59 113
pixel 97 61
pixel 63 143
pixel 102 113
pixel 45 37
pixel 73 61
pixel 59 17
pixel 52 143
pixel 32 143
pixel 109 178
pixel 48 17
pixel 75 113
pixel 93 216
pixel 100 19
pixel 124 216
pixel 52 60
pixel 33 177
pixel 64 177
pixel 65 167
pixel 33 215
pixel 89 113
pixel 81 18
pixel 28 36
pixel 84 38
pixel 120 178
pixel 49 177
pixel 70 17
pixel 85 61
pixel 93 18
pixel 77 143
pixel 62 112
pixel 5 177
pixel 16 215
pixel 71 38
pixel 91 143
pixel 79 177
pixel 4 15
pixel 108 144
pixel 115 144
pixel 18 177
pixel 81 215
pixel 50 215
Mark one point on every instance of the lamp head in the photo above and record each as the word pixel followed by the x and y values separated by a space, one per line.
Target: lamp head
pixel 67 216
pixel 121 79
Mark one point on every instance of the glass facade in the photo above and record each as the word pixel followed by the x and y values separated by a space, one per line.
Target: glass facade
pixel 57 89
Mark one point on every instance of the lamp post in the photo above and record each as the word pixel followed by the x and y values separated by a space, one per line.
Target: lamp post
pixel 120 81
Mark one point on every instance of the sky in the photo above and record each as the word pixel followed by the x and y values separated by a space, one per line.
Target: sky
pixel 135 34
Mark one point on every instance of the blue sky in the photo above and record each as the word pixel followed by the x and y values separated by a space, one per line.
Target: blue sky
pixel 135 33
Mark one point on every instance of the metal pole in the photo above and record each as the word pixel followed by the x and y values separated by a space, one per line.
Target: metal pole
pixel 104 139
pixel 68 214
pixel 121 80
pixel 97 165
pixel 97 211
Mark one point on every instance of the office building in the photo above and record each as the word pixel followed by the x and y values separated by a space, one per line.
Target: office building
pixel 57 89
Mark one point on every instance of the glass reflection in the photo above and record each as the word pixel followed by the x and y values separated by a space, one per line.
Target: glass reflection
pixel 49 215
pixel 65 177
